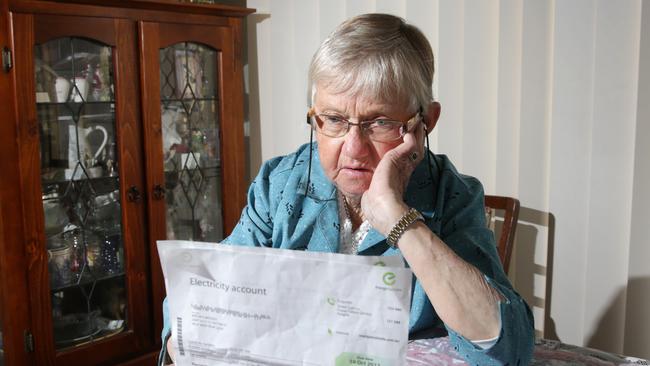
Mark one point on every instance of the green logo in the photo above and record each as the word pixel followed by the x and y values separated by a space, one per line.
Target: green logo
pixel 331 301
pixel 389 278
pixel 380 264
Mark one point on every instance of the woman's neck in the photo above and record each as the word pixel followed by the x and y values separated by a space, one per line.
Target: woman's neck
pixel 353 211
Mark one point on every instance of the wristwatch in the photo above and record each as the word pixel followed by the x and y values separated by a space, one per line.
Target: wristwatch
pixel 411 216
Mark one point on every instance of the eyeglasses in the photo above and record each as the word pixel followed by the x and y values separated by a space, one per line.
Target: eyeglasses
pixel 379 130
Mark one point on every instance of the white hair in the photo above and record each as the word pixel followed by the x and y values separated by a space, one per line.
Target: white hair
pixel 377 56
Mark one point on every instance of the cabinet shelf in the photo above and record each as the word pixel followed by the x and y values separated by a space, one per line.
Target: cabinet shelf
pixel 208 172
pixel 105 328
pixel 180 100
pixel 107 117
pixel 101 184
pixel 72 103
pixel 86 281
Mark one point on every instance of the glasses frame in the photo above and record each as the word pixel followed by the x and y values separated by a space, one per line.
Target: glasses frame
pixel 363 125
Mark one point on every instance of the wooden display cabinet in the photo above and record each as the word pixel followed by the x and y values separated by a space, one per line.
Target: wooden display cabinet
pixel 122 124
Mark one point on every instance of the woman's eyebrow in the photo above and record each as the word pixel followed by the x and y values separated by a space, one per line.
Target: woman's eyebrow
pixel 366 116
pixel 331 109
pixel 377 115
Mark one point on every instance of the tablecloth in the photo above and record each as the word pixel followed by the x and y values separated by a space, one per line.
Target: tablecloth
pixel 438 351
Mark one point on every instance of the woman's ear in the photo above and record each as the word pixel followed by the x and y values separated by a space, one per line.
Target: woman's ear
pixel 432 113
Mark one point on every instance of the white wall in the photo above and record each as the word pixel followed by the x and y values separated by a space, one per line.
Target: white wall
pixel 542 100
pixel 637 320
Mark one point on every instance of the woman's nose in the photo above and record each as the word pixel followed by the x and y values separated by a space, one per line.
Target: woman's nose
pixel 356 143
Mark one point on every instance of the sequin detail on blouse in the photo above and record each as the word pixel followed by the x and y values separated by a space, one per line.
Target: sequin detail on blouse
pixel 350 240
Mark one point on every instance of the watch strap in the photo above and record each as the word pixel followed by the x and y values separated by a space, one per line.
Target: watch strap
pixel 411 216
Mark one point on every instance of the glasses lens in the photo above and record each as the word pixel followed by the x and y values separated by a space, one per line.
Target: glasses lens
pixel 331 126
pixel 384 130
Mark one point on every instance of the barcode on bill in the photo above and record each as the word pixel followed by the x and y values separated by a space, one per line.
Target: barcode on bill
pixel 179 337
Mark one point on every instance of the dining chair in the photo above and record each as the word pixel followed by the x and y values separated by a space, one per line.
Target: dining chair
pixel 506 236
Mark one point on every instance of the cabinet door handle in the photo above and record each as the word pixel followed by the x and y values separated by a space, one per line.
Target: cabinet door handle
pixel 133 194
pixel 7 62
pixel 158 192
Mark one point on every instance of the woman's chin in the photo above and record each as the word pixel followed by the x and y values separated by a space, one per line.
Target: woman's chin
pixel 352 188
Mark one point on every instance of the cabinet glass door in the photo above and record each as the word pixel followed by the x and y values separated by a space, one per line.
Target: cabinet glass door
pixel 75 107
pixel 190 134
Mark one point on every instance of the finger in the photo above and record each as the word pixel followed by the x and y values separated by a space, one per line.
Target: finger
pixel 171 350
pixel 415 150
pixel 420 134
pixel 401 152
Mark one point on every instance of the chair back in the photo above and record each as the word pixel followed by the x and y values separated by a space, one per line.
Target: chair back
pixel 506 237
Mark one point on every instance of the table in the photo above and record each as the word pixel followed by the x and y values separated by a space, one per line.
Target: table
pixel 438 351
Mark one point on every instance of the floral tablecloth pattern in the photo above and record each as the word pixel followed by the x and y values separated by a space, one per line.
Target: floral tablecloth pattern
pixel 438 351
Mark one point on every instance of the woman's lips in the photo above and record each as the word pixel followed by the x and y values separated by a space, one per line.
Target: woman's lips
pixel 356 172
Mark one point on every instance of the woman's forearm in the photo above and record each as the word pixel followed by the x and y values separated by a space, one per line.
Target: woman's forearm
pixel 459 293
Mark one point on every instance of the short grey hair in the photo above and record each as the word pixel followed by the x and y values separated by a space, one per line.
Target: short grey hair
pixel 376 56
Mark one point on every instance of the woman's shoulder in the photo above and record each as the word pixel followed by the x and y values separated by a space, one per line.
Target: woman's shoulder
pixel 280 167
pixel 450 176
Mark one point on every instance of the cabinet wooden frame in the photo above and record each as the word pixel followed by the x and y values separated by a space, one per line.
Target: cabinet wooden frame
pixel 135 30
pixel 13 292
pixel 153 38
pixel 30 30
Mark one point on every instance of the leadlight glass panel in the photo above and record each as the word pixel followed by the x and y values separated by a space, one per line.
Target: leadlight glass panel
pixel 80 189
pixel 190 125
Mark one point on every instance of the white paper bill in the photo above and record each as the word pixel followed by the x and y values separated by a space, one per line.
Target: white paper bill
pixel 234 305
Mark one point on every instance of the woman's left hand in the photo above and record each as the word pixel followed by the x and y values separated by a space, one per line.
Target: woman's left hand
pixel 383 203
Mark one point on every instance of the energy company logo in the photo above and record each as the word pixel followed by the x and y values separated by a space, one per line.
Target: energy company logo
pixel 389 278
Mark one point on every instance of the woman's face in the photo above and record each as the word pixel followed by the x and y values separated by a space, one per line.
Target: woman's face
pixel 350 161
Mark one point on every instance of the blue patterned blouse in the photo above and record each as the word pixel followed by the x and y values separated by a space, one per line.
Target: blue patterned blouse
pixel 280 215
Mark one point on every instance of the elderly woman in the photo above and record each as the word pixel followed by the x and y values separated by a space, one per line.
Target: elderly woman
pixel 368 186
